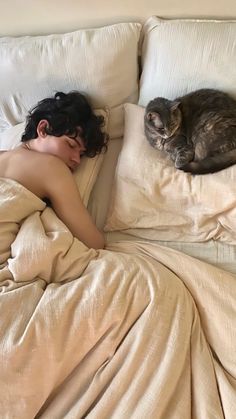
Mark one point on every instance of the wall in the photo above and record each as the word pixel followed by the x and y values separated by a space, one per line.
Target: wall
pixel 56 16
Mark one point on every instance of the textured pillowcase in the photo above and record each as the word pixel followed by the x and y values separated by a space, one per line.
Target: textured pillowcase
pixel 99 200
pixel 151 199
pixel 88 170
pixel 179 56
pixel 101 63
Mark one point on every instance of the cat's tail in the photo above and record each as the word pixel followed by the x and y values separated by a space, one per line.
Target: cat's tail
pixel 211 164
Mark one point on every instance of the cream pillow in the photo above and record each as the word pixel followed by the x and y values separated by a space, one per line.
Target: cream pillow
pixel 151 199
pixel 182 55
pixel 101 63
pixel 99 199
pixel 88 170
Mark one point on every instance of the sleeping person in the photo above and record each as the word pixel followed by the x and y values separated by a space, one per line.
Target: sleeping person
pixel 59 131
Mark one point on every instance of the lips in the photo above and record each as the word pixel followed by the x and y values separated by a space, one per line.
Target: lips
pixel 72 167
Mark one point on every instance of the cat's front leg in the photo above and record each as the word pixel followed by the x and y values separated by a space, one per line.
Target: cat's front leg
pixel 183 157
pixel 183 152
pixel 179 150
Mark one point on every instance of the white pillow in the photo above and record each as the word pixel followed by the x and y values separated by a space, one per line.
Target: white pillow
pixel 151 199
pixel 101 63
pixel 179 56
pixel 11 137
pixel 88 170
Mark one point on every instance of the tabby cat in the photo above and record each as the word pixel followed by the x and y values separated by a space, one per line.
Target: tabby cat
pixel 197 130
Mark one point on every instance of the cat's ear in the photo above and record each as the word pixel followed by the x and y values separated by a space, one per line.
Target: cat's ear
pixel 155 118
pixel 174 105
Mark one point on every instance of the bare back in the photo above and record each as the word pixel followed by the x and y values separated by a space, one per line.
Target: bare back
pixel 24 168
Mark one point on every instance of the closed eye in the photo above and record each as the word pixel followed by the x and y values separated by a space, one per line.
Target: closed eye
pixel 75 142
pixel 72 145
pixel 72 142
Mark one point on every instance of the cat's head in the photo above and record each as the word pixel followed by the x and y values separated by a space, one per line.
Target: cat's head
pixel 163 116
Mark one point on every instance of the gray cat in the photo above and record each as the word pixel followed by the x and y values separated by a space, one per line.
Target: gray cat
pixel 198 130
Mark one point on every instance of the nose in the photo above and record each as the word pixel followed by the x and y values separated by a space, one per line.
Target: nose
pixel 75 157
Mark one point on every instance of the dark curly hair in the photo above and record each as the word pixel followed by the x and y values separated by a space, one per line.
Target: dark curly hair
pixel 68 114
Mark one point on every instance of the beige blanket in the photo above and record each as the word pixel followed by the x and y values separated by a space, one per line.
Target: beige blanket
pixel 135 331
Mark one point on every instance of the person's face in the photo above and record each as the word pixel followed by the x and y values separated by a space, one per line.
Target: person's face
pixel 68 148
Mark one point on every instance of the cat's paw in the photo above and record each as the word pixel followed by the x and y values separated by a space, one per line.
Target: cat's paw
pixel 183 158
pixel 180 161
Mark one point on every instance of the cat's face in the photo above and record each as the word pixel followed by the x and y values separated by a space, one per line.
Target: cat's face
pixel 163 117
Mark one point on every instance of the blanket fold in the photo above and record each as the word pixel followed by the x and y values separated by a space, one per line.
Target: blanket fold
pixel 35 243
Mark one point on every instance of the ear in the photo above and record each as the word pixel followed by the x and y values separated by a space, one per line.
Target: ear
pixel 41 128
pixel 174 105
pixel 155 118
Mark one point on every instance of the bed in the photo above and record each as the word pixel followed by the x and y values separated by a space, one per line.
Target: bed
pixel 146 326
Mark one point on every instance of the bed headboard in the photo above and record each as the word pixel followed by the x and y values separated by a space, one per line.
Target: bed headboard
pixel 43 17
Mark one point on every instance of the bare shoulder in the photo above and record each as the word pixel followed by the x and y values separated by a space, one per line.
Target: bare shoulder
pixel 54 171
pixel 44 158
pixel 38 172
pixel 46 173
pixel 46 163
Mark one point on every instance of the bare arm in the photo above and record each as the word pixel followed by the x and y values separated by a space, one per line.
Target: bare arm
pixel 61 189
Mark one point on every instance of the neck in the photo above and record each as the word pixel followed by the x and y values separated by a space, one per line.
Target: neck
pixel 27 145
